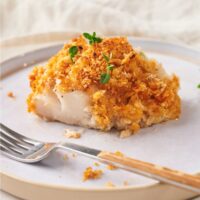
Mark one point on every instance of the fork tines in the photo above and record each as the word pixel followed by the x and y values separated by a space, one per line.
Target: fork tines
pixel 14 143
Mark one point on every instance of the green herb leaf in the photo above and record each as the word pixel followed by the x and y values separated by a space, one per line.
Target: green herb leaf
pixel 106 58
pixel 97 39
pixel 73 51
pixel 105 78
pixel 110 67
pixel 143 54
pixel 91 42
pixel 198 86
pixel 87 35
pixel 92 38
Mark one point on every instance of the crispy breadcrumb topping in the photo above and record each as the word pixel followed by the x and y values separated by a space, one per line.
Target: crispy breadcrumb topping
pixel 138 93
pixel 90 173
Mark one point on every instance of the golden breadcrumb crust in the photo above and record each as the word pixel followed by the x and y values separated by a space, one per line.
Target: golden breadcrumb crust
pixel 137 94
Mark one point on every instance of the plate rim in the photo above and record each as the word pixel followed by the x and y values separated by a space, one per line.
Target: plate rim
pixel 103 189
pixel 63 35
pixel 16 187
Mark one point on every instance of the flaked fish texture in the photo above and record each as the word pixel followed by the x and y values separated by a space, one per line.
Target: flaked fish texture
pixel 103 85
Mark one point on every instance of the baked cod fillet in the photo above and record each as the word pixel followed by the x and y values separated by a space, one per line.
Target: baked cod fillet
pixel 103 84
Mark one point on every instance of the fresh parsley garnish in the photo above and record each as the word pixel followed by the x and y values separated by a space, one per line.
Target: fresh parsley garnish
pixel 198 86
pixel 92 38
pixel 105 77
pixel 106 58
pixel 143 54
pixel 72 52
pixel 110 67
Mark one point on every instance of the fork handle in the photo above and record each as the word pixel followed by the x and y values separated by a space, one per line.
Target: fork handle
pixel 177 178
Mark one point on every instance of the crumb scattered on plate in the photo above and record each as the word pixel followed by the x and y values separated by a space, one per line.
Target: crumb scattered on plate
pixel 47 146
pixel 118 153
pixel 11 95
pixel 65 157
pixel 90 173
pixel 125 183
pixel 74 155
pixel 72 134
pixel 111 167
pixel 109 184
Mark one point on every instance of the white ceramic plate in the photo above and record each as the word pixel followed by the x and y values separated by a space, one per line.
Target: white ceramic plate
pixel 174 144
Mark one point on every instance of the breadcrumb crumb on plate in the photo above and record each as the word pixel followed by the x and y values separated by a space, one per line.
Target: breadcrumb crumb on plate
pixel 111 167
pixel 125 183
pixel 11 95
pixel 75 135
pixel 90 173
pixel 74 155
pixel 119 153
pixel 65 157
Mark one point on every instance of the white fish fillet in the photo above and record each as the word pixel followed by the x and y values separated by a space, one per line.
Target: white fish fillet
pixel 70 108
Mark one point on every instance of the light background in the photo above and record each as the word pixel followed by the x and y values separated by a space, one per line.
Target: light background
pixel 172 20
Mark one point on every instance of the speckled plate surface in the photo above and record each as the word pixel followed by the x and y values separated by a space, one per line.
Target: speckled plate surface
pixel 173 144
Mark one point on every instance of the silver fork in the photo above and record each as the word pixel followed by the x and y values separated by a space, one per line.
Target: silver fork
pixel 27 150
pixel 23 149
